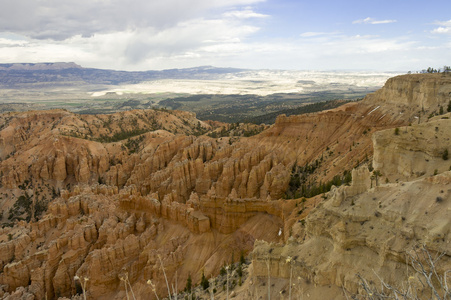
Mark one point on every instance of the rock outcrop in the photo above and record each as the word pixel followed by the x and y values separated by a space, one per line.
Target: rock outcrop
pixel 367 229
pixel 413 151
pixel 416 92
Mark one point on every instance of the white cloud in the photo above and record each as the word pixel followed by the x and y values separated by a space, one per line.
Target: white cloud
pixel 118 35
pixel 244 14
pixel 5 42
pixel 373 21
pixel 364 44
pixel 191 42
pixel 444 28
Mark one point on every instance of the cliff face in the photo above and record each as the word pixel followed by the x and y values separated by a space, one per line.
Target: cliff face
pixel 413 151
pixel 132 188
pixel 367 234
pixel 416 92
pixel 370 227
pixel 99 233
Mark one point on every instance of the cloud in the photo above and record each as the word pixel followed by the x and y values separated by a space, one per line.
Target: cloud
pixel 244 14
pixel 373 21
pixel 187 37
pixel 317 34
pixel 360 44
pixel 224 42
pixel 62 19
pixel 145 35
pixel 444 28
pixel 219 42
pixel 5 42
pixel 198 39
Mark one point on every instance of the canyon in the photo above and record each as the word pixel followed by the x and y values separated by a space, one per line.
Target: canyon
pixel 104 196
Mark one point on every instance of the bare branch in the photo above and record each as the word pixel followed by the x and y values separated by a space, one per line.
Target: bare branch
pixel 424 263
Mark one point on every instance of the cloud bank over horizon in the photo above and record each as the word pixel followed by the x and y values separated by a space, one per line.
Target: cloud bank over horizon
pixel 258 34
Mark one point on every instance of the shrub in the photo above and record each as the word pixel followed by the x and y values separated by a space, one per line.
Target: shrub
pixel 445 154
pixel 396 131
pixel 239 271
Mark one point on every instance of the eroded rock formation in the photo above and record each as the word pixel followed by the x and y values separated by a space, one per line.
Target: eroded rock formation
pixel 367 228
pixel 130 192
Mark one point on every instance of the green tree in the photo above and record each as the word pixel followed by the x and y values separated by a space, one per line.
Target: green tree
pixel 204 282
pixel 242 259
pixel 239 271
pixel 223 271
pixel 189 284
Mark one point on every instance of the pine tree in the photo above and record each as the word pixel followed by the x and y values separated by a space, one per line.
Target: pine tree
pixel 242 259
pixel 188 284
pixel 204 282
pixel 240 274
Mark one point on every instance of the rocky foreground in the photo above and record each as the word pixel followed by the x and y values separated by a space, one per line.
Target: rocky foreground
pixel 117 196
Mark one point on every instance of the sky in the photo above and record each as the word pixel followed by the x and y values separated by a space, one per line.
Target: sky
pixel 137 35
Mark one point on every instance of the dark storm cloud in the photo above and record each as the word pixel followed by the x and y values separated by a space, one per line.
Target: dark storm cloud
pixel 62 19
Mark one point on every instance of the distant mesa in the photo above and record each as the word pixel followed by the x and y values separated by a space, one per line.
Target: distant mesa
pixel 23 75
pixel 40 66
